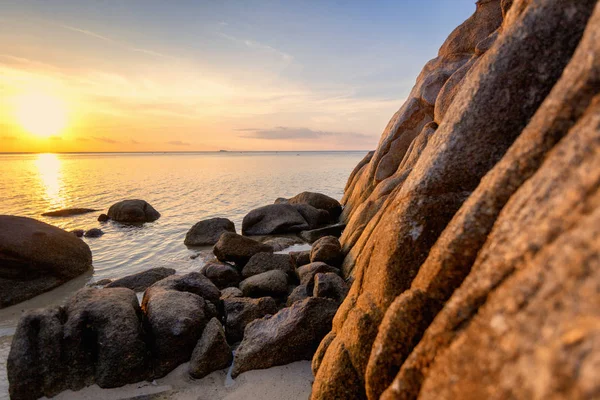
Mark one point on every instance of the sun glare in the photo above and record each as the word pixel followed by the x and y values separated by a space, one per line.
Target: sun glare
pixel 41 114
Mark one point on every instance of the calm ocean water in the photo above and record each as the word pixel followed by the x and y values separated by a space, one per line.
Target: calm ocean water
pixel 184 187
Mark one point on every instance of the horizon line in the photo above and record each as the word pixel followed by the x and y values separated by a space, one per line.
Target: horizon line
pixel 182 152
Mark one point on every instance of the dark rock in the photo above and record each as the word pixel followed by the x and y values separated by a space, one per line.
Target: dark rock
pixel 316 234
pixel 272 219
pixel 319 201
pixel 221 274
pixel 194 282
pixel 238 249
pixel 330 285
pixel 307 273
pixel 300 258
pixel 327 250
pixel 314 216
pixel 271 283
pixel 142 280
pixel 175 323
pixel 292 334
pixel 101 282
pixel 241 311
pixel 93 233
pixel 282 243
pixel 68 212
pixel 103 218
pixel 263 262
pixel 298 294
pixel 212 352
pixel 280 200
pixel 133 211
pixel 231 293
pixel 36 257
pixel 208 232
pixel 78 232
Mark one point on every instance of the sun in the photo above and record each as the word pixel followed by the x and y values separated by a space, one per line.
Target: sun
pixel 41 114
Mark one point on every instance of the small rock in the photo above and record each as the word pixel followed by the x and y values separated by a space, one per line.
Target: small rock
pixel 101 282
pixel 298 294
pixel 316 234
pixel 307 273
pixel 263 262
pixel 133 211
pixel 293 334
pixel 271 283
pixel 330 285
pixel 68 212
pixel 212 352
pixel 231 293
pixel 103 218
pixel 93 233
pixel 237 248
pixel 327 250
pixel 142 280
pixel 300 258
pixel 208 232
pixel 241 311
pixel 282 243
pixel 221 274
pixel 78 232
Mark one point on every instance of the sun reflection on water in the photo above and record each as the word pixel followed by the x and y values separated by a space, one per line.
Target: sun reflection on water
pixel 50 175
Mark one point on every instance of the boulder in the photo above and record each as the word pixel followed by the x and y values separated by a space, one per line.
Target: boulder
pixel 194 282
pixel 36 257
pixel 316 234
pixel 293 334
pixel 93 233
pixel 142 280
pixel 221 274
pixel 175 323
pixel 208 232
pixel 330 285
pixel 319 201
pixel 133 211
pixel 263 262
pixel 68 212
pixel 103 218
pixel 298 294
pixel 238 249
pixel 241 311
pixel 307 273
pixel 271 283
pixel 272 219
pixel 71 347
pixel 313 216
pixel 212 352
pixel 300 258
pixel 328 250
pixel 231 293
pixel 282 243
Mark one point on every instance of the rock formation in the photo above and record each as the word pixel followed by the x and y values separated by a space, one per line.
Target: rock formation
pixel 132 211
pixel 471 231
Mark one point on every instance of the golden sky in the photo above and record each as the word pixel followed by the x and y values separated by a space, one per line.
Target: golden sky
pixel 147 76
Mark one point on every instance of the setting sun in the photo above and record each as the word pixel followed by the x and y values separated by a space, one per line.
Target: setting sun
pixel 41 114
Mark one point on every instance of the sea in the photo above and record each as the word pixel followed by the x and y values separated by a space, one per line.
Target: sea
pixel 184 187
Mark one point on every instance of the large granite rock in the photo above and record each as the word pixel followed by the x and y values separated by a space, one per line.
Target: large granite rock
pixel 133 211
pixel 319 201
pixel 208 232
pixel 36 257
pixel 96 338
pixel 142 280
pixel 292 334
pixel 212 352
pixel 239 312
pixel 238 249
pixel 423 346
pixel 272 219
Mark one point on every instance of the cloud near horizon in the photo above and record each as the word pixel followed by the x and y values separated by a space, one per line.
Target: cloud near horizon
pixel 178 143
pixel 290 133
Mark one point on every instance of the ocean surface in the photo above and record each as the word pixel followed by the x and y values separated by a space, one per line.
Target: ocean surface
pixel 184 187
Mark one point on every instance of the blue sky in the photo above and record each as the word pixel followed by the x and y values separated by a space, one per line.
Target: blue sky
pixel 276 75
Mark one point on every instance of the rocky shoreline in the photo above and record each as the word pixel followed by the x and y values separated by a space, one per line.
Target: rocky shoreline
pixel 467 266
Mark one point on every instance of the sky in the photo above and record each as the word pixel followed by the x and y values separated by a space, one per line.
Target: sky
pixel 195 75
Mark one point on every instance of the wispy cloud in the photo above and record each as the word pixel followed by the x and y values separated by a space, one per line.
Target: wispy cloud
pixel 178 143
pixel 105 139
pixel 287 133
pixel 252 44
pixel 116 42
